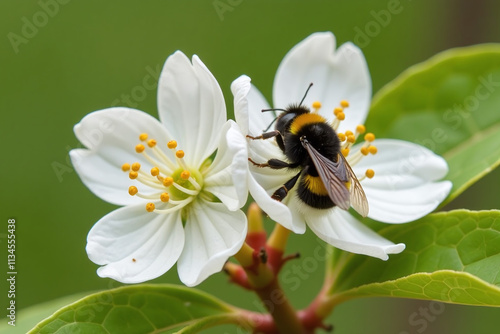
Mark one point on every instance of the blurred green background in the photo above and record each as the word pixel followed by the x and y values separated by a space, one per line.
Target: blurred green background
pixel 61 59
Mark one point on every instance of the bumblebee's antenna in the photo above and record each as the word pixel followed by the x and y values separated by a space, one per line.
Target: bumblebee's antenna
pixel 269 126
pixel 272 109
pixel 307 90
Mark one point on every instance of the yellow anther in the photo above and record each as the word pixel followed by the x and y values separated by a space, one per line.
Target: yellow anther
pixel 168 181
pixel 348 133
pixel 179 154
pixel 133 175
pixel 165 197
pixel 351 138
pixel 345 152
pixel 139 148
pixel 151 143
pixel 360 129
pixel 316 104
pixel 150 207
pixel 125 167
pixel 372 149
pixel 337 110
pixel 132 190
pixel 185 174
pixel 143 136
pixel 364 150
pixel 340 116
pixel 172 144
pixel 369 136
pixel 369 173
pixel 344 103
pixel 155 171
pixel 136 166
pixel 341 136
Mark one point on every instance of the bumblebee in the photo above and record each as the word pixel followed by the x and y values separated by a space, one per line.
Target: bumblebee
pixel 312 146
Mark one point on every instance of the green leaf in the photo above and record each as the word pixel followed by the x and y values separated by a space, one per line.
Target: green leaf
pixel 445 285
pixel 451 105
pixel 28 317
pixel 449 256
pixel 140 309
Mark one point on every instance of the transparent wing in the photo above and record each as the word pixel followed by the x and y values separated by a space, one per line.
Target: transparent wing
pixel 333 174
pixel 358 197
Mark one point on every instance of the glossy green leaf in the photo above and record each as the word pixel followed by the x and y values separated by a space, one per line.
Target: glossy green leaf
pixel 451 105
pixel 444 285
pixel 140 309
pixel 27 318
pixel 449 256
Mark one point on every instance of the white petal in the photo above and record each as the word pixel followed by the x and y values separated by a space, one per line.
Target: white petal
pixel 402 158
pixel 248 105
pixel 191 106
pixel 213 234
pixel 246 96
pixel 336 75
pixel 340 229
pixel 276 210
pixel 240 88
pixel 403 188
pixel 405 205
pixel 259 121
pixel 154 241
pixel 227 176
pixel 111 136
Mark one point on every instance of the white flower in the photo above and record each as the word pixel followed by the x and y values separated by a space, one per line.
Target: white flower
pixel 404 187
pixel 180 204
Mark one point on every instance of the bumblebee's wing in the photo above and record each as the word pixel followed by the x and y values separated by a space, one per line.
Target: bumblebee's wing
pixel 334 176
pixel 358 197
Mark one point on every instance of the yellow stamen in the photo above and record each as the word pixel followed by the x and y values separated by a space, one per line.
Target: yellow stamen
pixel 344 103
pixel 133 175
pixel 179 154
pixel 360 129
pixel 345 152
pixel 341 136
pixel 155 171
pixel 150 207
pixel 348 133
pixel 125 167
pixel 370 173
pixel 165 197
pixel 168 181
pixel 340 116
pixel 143 136
pixel 337 110
pixel 139 148
pixel 185 174
pixel 351 138
pixel 172 144
pixel 369 136
pixel 132 190
pixel 364 150
pixel 136 166
pixel 151 143
pixel 372 149
pixel 316 104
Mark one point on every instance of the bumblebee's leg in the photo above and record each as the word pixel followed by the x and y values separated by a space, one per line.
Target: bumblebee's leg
pixel 275 164
pixel 271 134
pixel 282 191
pixel 266 135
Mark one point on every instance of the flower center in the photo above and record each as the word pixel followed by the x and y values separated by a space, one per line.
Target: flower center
pixel 174 184
pixel 348 138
